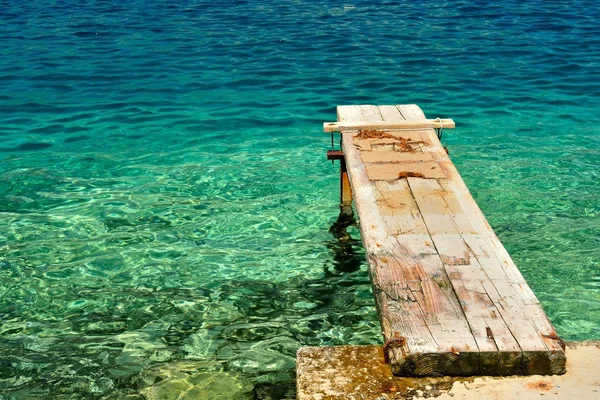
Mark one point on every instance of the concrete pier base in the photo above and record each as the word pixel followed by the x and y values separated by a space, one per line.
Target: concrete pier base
pixel 359 373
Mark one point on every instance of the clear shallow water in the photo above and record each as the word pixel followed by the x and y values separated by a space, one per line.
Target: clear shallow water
pixel 166 202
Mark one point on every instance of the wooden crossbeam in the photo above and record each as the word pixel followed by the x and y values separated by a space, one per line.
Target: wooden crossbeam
pixel 445 123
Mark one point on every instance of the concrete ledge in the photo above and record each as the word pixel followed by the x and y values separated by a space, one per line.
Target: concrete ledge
pixel 358 373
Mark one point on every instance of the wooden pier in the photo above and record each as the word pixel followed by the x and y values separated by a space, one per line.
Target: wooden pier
pixel 449 297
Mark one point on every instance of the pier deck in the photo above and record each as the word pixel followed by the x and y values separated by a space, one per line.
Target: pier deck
pixel 450 299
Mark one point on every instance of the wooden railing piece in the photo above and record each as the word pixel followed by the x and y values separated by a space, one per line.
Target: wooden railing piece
pixel 387 125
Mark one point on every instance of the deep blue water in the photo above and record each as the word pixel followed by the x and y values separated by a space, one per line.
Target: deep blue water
pixel 165 200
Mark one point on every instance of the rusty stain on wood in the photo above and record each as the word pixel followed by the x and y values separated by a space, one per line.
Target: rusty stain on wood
pixel 373 134
pixel 406 174
pixel 554 336
pixel 397 342
pixel 540 385
pixel 453 260
pixel 399 143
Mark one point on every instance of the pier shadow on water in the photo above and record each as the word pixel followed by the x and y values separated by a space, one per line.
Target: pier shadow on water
pixel 345 256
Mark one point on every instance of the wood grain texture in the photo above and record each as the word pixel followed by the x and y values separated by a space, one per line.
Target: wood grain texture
pixel 442 280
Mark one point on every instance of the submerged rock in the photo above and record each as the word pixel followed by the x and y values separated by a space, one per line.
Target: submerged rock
pixel 179 382
pixel 275 391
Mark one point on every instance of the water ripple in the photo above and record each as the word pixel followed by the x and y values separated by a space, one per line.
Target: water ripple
pixel 165 199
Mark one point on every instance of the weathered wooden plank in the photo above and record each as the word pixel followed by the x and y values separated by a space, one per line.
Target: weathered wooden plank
pixel 487 242
pixel 499 353
pixel 499 266
pixel 446 320
pixel 406 278
pixel 536 352
pixel 407 274
pixel 441 278
pixel 462 263
pixel 405 317
pixel 446 224
pixel 485 318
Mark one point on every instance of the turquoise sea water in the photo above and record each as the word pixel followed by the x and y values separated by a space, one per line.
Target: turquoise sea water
pixel 165 200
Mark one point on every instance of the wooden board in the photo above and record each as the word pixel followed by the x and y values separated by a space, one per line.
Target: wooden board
pixel 380 124
pixel 450 299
